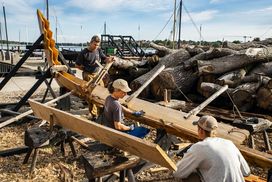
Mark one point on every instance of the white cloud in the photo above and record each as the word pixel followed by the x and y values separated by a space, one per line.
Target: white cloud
pixel 112 6
pixel 200 16
pixel 262 11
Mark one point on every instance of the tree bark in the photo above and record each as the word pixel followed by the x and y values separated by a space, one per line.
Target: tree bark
pixel 127 63
pixel 228 63
pixel 195 50
pixel 231 79
pixel 163 50
pixel 255 44
pixel 170 60
pixel 210 54
pixel 264 98
pixel 242 95
pixel 175 79
pixel 262 69
pixel 207 89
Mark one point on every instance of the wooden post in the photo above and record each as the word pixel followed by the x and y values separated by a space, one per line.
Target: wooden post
pixel 135 94
pixel 196 110
pixel 165 96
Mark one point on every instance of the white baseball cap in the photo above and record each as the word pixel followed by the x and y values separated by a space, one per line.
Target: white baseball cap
pixel 121 85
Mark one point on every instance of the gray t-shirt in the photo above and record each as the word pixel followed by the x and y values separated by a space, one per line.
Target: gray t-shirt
pixel 112 112
pixel 87 59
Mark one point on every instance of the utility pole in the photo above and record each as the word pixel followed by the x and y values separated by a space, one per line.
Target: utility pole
pixel 174 25
pixel 180 15
pixel 6 34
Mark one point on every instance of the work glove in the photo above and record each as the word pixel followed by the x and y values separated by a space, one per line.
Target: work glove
pixel 138 113
pixel 132 127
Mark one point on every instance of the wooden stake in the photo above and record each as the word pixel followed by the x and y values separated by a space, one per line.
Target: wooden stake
pixel 135 94
pixel 196 110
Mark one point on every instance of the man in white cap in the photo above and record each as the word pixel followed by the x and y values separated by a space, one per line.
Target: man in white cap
pixel 213 159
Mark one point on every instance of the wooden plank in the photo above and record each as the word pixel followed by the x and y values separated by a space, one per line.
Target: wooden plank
pixel 171 120
pixel 114 138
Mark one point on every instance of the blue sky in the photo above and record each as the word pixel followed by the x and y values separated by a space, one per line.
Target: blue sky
pixel 78 20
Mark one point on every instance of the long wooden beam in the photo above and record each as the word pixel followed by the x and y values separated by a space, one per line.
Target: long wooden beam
pixel 114 138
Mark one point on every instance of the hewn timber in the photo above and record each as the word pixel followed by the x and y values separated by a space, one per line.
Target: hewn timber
pixel 114 138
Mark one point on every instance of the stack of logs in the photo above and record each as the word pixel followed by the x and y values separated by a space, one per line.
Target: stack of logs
pixel 246 68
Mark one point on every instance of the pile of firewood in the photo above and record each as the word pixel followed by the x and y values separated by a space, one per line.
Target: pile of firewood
pixel 246 68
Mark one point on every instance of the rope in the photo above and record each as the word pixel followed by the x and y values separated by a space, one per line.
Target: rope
pixel 235 107
pixel 193 21
pixel 164 27
pixel 189 100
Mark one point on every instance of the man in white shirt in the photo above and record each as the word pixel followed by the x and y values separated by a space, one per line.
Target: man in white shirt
pixel 213 159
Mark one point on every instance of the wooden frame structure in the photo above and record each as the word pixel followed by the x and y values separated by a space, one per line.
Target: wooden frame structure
pixel 114 138
pixel 172 121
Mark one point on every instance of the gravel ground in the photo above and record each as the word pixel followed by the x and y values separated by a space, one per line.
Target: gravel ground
pixel 53 166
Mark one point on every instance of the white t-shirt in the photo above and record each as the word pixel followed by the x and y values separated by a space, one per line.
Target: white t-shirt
pixel 217 160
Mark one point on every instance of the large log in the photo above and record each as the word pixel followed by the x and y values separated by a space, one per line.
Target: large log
pixel 175 79
pixel 232 62
pixel 195 50
pixel 127 63
pixel 264 98
pixel 246 45
pixel 262 69
pixel 210 54
pixel 232 78
pixel 163 50
pixel 242 96
pixel 170 60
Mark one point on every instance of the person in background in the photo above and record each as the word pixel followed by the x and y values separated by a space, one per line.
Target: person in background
pixel 113 114
pixel 213 159
pixel 89 61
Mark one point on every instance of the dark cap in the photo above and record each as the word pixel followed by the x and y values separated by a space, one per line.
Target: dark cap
pixel 207 123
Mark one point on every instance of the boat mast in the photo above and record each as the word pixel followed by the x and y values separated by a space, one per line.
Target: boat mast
pixel 1 36
pixel 56 31
pixel 180 15
pixel 47 10
pixel 4 11
pixel 174 25
pixel 105 28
